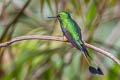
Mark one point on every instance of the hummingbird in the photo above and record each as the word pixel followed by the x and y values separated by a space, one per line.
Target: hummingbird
pixel 72 33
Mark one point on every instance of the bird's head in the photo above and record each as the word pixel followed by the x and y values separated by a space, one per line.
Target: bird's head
pixel 62 15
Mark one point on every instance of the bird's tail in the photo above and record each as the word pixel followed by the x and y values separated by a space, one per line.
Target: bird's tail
pixel 92 69
pixel 83 48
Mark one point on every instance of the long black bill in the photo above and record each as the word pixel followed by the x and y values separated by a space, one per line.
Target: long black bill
pixel 53 17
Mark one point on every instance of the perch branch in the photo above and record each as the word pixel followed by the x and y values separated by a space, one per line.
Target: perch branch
pixel 30 37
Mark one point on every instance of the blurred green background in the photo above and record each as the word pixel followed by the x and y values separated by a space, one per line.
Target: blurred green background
pixel 53 60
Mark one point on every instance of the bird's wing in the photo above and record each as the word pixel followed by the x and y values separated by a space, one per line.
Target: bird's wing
pixel 73 34
pixel 70 38
pixel 78 29
pixel 77 43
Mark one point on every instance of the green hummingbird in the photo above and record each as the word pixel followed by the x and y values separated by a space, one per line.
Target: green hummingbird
pixel 72 33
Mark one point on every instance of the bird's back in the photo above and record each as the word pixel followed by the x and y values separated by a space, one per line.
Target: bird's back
pixel 73 29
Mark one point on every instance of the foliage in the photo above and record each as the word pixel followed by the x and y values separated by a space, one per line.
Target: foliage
pixel 52 60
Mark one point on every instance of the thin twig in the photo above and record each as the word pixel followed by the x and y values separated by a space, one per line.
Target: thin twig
pixel 15 19
pixel 30 37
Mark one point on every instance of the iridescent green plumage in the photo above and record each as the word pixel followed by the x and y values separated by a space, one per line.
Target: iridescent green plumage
pixel 72 32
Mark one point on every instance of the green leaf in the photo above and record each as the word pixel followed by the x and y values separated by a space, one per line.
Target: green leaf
pixel 49 4
pixel 42 5
pixel 90 14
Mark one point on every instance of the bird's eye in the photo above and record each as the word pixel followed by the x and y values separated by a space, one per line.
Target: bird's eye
pixel 58 16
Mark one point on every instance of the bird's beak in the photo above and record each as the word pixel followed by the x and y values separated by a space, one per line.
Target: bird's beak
pixel 53 17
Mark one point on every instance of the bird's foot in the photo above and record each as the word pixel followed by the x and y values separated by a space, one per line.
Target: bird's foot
pixel 65 39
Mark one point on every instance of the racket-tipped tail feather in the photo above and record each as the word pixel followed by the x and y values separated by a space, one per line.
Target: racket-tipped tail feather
pixel 95 71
